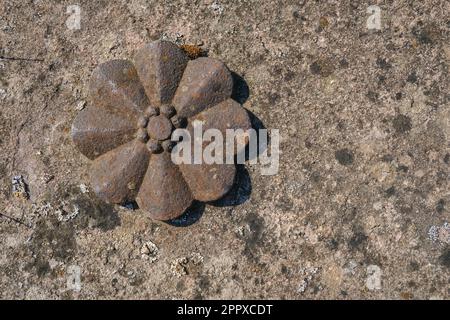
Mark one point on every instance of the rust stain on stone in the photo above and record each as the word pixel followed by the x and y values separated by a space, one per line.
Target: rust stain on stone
pixel 193 51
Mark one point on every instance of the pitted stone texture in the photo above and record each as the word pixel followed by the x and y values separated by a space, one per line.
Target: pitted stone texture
pixel 205 83
pixel 160 66
pixel 159 128
pixel 315 214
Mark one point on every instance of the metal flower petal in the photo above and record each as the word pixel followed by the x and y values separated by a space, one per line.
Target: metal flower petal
pixel 148 102
pixel 226 115
pixel 96 131
pixel 115 86
pixel 205 83
pixel 209 182
pixel 164 193
pixel 117 175
pixel 160 66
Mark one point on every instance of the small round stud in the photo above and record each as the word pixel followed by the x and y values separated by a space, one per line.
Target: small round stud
pixel 167 145
pixel 152 111
pixel 153 146
pixel 142 121
pixel 142 135
pixel 178 122
pixel 159 128
pixel 167 110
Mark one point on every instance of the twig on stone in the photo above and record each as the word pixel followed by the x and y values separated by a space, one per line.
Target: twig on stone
pixel 15 220
pixel 21 59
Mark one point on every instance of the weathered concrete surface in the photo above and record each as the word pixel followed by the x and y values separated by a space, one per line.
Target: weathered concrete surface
pixel 358 209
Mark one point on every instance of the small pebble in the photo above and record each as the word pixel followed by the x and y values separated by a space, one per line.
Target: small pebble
pixel 19 187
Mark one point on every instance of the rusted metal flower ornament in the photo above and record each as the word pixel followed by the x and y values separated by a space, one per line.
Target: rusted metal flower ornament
pixel 127 129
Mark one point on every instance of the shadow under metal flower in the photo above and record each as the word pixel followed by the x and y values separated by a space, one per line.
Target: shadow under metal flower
pixel 127 130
